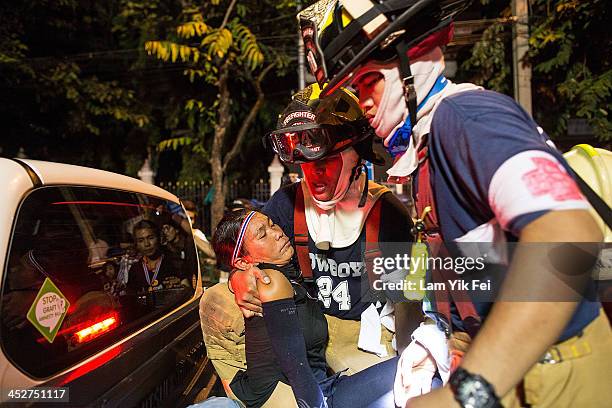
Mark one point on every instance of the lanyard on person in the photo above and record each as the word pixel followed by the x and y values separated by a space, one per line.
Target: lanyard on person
pixel 438 86
pixel 399 142
pixel 152 282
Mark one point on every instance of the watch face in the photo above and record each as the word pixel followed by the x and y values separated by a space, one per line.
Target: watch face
pixel 473 394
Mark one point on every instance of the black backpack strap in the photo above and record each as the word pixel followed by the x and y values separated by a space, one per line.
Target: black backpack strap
pixel 595 200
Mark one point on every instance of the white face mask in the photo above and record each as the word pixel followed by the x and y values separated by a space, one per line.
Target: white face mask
pixel 392 109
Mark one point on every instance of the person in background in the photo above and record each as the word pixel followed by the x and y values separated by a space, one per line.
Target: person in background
pixel 199 237
pixel 158 268
pixel 174 239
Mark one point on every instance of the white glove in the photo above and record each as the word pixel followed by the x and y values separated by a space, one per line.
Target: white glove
pixel 426 354
pixel 415 371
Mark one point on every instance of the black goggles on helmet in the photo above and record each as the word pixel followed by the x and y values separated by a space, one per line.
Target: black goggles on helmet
pixel 312 142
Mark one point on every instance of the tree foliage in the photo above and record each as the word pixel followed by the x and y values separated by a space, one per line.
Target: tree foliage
pixel 569 51
pixel 220 55
pixel 569 47
pixel 52 97
pixel 489 59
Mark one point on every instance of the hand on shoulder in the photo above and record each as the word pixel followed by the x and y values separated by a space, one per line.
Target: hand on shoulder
pixel 278 288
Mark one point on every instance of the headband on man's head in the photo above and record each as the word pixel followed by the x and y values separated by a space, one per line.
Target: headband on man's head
pixel 241 233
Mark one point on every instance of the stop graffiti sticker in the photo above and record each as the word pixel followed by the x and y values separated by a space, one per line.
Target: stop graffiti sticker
pixel 48 310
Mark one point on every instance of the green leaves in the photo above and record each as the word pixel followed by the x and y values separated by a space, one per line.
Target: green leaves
pixel 217 42
pixel 192 29
pixel 94 98
pixel 489 60
pixel 591 95
pixel 171 52
pixel 174 143
pixel 571 64
pixel 249 48
pixel 571 67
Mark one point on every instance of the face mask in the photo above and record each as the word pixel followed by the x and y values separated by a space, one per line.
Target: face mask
pixel 392 109
pixel 399 141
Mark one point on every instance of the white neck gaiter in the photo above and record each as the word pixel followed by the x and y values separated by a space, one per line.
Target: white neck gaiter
pixel 337 223
pixel 388 119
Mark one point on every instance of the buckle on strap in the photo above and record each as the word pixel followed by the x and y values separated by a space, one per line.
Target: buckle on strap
pixel 563 352
pixel 552 356
pixel 408 85
pixel 301 239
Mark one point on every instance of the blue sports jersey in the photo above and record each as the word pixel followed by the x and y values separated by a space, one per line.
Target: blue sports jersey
pixel 492 173
pixel 338 272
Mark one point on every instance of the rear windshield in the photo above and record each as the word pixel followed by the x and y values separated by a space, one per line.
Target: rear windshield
pixel 87 267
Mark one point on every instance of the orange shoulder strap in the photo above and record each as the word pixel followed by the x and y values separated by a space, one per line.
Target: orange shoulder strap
pixel 300 234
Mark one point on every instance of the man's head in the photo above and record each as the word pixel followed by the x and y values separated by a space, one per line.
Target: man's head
pixel 170 231
pixel 381 90
pixel 376 49
pixel 248 237
pixel 147 238
pixel 370 88
pixel 190 210
pixel 322 176
pixel 341 36
pixel 328 138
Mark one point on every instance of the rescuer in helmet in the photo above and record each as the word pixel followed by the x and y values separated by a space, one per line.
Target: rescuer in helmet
pixel 339 221
pixel 482 172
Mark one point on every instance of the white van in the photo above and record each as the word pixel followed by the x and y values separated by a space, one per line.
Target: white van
pixel 85 302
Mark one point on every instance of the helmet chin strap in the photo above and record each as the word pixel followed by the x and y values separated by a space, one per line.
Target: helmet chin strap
pixel 364 194
pixel 355 173
pixel 407 80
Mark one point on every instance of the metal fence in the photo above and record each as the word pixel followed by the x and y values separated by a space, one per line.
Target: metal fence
pixel 200 193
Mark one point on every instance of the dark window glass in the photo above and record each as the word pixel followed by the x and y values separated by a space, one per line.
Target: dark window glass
pixel 119 261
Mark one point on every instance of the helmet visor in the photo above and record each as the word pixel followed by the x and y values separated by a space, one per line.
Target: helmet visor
pixel 304 143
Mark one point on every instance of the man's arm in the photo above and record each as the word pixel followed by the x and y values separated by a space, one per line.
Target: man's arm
pixel 531 327
pixel 396 228
pixel 408 317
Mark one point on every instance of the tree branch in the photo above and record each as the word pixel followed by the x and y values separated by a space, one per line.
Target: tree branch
pixel 223 112
pixel 227 14
pixel 246 124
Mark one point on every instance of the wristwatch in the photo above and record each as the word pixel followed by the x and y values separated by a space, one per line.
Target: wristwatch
pixel 472 390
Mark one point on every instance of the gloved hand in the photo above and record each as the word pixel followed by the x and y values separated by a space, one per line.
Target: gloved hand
pixel 426 354
pixel 415 371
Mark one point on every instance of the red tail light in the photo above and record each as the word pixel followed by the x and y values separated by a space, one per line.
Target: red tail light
pixel 96 329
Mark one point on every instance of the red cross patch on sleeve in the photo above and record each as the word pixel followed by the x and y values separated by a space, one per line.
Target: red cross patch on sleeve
pixel 550 178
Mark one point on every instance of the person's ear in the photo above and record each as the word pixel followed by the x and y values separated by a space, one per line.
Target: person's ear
pixel 242 263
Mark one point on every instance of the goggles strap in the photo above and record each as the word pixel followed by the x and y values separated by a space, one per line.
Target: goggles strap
pixel 407 80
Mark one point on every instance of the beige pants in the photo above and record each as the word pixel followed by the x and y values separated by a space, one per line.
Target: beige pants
pixel 583 381
pixel 342 352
